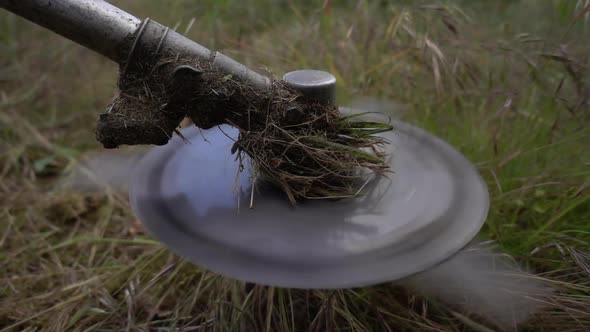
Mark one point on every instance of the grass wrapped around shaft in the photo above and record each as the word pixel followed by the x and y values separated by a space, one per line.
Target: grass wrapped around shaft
pixel 308 149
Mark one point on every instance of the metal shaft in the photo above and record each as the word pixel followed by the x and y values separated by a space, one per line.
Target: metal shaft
pixel 111 31
pixel 94 24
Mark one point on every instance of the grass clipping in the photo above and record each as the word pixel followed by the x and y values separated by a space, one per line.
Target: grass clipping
pixel 307 149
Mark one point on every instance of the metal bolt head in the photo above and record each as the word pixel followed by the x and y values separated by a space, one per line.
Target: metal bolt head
pixel 316 85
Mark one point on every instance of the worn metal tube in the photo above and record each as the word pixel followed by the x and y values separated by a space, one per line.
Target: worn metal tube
pixel 154 36
pixel 94 24
pixel 112 32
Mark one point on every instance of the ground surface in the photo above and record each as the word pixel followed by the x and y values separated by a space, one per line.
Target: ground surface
pixel 505 82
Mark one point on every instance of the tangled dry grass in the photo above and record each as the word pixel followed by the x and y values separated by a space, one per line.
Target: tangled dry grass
pixel 307 149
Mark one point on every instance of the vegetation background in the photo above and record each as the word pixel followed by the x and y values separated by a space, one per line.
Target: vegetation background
pixel 505 82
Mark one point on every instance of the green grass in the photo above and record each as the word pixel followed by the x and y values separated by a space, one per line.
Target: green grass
pixel 510 90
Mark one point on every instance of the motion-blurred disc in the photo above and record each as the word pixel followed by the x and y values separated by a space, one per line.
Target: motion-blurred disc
pixel 190 197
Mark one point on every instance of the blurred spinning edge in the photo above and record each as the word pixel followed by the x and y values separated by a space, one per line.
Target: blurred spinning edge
pixel 479 280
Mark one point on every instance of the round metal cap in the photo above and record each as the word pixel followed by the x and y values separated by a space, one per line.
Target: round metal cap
pixel 189 196
pixel 313 84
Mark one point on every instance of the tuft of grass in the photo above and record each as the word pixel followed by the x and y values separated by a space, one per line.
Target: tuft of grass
pixel 503 82
pixel 307 149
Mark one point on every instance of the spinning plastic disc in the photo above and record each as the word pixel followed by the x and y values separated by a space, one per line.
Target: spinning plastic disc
pixel 431 207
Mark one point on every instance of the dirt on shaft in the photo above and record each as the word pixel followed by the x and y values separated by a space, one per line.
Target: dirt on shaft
pixel 308 149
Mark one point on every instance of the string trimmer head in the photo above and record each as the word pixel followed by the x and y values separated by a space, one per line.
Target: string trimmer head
pixel 188 197
pixel 244 194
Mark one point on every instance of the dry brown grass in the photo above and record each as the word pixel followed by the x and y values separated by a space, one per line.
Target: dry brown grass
pixel 71 261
